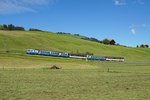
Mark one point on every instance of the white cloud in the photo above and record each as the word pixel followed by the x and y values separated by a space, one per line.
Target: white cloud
pixel 119 2
pixel 36 2
pixel 19 6
pixel 145 25
pixel 139 27
pixel 133 29
pixel 124 2
pixel 141 2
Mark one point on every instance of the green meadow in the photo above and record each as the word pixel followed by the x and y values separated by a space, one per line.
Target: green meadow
pixel 27 77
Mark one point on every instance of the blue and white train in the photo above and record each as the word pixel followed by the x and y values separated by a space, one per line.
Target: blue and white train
pixel 77 56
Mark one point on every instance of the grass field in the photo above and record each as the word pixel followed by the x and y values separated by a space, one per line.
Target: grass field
pixel 131 82
pixel 25 77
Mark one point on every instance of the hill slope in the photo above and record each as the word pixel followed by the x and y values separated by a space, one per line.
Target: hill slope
pixel 20 41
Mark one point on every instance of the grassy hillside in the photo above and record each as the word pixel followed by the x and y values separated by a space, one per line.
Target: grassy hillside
pixel 20 41
pixel 27 77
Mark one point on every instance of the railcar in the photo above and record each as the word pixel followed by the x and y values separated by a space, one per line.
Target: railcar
pixel 32 52
pixel 116 59
pixel 47 53
pixel 96 59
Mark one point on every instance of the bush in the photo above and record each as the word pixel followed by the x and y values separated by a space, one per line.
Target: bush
pixel 33 29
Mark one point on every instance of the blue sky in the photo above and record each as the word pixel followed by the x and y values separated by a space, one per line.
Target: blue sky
pixel 126 21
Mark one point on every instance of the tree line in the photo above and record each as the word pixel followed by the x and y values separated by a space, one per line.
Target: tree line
pixel 105 41
pixel 143 46
pixel 11 27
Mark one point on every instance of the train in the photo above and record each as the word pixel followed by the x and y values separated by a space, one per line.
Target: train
pixel 69 55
